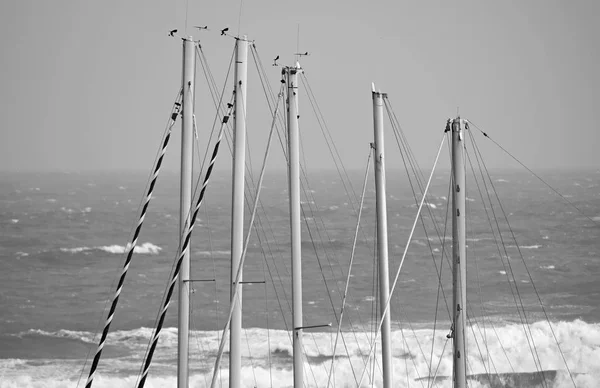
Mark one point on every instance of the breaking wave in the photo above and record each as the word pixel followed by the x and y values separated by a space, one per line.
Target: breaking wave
pixel 489 348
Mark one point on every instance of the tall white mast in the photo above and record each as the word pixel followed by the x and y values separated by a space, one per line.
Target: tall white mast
pixel 237 206
pixel 382 240
pixel 295 226
pixel 459 270
pixel 185 208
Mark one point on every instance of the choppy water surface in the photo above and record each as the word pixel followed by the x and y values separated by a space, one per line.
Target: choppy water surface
pixel 63 238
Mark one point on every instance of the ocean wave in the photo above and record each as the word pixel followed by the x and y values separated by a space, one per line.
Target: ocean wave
pixel 146 248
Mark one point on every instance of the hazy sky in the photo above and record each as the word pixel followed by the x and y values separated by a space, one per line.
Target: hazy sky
pixel 88 85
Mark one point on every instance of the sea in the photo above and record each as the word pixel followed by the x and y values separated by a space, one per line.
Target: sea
pixel 533 280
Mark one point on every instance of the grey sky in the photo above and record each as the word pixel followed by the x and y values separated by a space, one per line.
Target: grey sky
pixel 87 85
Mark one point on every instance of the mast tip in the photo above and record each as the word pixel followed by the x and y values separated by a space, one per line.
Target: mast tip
pixel 373 87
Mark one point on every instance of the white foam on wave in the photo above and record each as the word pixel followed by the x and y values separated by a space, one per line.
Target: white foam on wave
pixel 547 267
pixel 146 248
pixel 579 343
pixel 502 181
pixel 15 221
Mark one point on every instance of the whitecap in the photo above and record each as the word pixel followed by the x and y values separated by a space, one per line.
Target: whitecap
pixel 14 220
pixel 547 267
pixel 502 181
pixel 146 248
pixel 22 254
pixel 502 272
pixel 213 253
pixel 76 250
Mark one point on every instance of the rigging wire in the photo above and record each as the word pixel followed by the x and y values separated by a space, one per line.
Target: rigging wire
pixel 243 257
pixel 306 195
pixel 525 323
pixel 479 288
pixel 534 174
pixel 439 288
pixel 212 86
pixel 403 145
pixel 309 196
pixel 528 274
pixel 387 303
pixel 499 251
pixel 346 182
pixel 408 156
pixel 214 268
pixel 360 208
pixel 260 227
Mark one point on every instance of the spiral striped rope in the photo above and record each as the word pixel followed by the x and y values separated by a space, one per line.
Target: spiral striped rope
pixel 182 252
pixel 132 245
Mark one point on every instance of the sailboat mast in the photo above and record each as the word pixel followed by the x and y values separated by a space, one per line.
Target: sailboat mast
pixel 237 206
pixel 295 226
pixel 459 270
pixel 185 209
pixel 382 240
